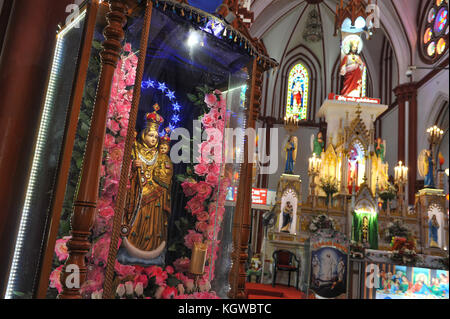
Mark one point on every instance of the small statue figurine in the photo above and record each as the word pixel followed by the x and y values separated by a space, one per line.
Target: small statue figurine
pixel 429 178
pixel 433 227
pixel 287 217
pixel 380 149
pixel 291 154
pixel 317 144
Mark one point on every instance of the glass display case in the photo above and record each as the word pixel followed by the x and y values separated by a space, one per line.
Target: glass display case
pixel 184 83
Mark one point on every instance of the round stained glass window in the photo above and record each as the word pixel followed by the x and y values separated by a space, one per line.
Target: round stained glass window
pixel 431 49
pixel 441 46
pixel 431 15
pixel 434 30
pixel 427 36
pixel 441 20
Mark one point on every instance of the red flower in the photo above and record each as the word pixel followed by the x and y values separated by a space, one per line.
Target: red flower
pixel 170 293
pixel 157 272
pixel 141 279
pixel 189 188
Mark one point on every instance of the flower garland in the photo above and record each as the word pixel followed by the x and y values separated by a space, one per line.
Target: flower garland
pixel 207 199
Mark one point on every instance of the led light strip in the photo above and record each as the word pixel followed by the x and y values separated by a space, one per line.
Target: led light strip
pixel 41 139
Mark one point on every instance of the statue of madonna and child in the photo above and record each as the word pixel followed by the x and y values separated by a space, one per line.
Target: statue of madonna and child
pixel 144 226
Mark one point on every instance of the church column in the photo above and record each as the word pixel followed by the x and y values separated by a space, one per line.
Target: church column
pixel 400 124
pixel 407 92
pixel 25 60
pixel 87 195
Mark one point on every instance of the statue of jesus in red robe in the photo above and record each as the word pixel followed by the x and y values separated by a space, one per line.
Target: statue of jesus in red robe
pixel 352 69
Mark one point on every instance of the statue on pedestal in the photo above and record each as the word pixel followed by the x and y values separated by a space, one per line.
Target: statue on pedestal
pixel 426 168
pixel 317 144
pixel 291 154
pixel 380 149
pixel 352 66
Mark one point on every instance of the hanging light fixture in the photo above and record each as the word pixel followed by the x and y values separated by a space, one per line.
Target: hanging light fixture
pixel 313 29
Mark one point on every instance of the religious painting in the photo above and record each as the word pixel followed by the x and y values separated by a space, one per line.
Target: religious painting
pixel 329 264
pixel 404 282
pixel 297 94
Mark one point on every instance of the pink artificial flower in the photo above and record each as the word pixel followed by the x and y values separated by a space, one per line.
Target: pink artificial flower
pixel 61 248
pixel 124 122
pixel 189 188
pixel 203 189
pixel 159 274
pixel 201 169
pixel 141 279
pixel 208 120
pixel 169 270
pixel 215 135
pixel 214 168
pixel 123 132
pixel 182 264
pixel 106 212
pixel 195 205
pixel 127 47
pixel 201 226
pixel 55 281
pixel 212 180
pixel 110 141
pixel 202 216
pixel 217 92
pixel 210 100
pixel 113 125
pixel 124 270
pixel 100 250
pixel 180 276
pixel 169 293
pixel 191 238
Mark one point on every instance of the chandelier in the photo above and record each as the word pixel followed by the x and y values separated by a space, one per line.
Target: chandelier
pixel 313 29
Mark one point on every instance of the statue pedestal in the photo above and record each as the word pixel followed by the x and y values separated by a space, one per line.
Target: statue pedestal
pixel 431 202
pixel 340 111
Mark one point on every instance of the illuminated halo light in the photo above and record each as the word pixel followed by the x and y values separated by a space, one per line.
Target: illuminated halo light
pixel 346 43
pixel 438 2
pixel 298 79
pixel 176 107
pixel 44 128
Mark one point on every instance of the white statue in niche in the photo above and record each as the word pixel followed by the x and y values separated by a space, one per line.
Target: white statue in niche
pixel 288 214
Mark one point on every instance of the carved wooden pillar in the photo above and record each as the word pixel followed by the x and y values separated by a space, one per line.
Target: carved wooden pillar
pixel 86 201
pixel 241 221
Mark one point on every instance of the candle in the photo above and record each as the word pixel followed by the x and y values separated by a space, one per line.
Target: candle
pixel 198 259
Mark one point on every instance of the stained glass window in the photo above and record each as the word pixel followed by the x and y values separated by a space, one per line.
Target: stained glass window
pixel 435 30
pixel 297 94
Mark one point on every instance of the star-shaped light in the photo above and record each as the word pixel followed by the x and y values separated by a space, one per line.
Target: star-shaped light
pixel 162 86
pixel 176 107
pixel 170 94
pixel 176 118
pixel 151 83
pixel 172 127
